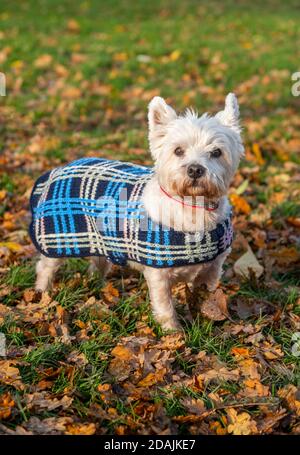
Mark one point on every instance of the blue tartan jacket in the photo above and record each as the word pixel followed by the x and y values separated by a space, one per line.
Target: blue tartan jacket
pixel 93 207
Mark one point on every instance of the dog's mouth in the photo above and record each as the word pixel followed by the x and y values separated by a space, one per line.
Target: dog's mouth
pixel 197 187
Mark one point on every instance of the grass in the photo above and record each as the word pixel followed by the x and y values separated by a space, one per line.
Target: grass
pixel 106 60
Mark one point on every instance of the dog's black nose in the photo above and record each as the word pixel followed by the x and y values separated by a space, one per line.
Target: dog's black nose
pixel 195 171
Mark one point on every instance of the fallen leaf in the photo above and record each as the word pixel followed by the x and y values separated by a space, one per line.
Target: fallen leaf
pixel 249 368
pixel 174 55
pixel 218 373
pixel 6 405
pixel 122 353
pixel 111 294
pixel 73 26
pixel 44 61
pixel 193 405
pixel 246 262
pixel 43 401
pixel 81 428
pixel 294 221
pixel 254 388
pixel 291 395
pixel 10 375
pixel 240 352
pixel 215 307
pixel 12 246
pixel 240 424
pixel 152 378
pixel 239 203
pixel 258 155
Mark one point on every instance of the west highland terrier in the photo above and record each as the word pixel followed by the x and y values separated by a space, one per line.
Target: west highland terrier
pixel 172 221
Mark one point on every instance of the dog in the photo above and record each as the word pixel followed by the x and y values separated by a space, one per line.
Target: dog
pixel 186 215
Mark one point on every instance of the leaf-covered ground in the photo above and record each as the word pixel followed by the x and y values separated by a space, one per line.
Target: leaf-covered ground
pixel 88 358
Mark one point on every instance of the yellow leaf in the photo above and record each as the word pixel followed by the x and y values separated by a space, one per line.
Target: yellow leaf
pixel 240 352
pixel 240 424
pixel 257 152
pixel 12 246
pixel 152 378
pixel 111 294
pixel 81 428
pixel 240 203
pixel 120 57
pixel 122 353
pixel 6 403
pixel 174 55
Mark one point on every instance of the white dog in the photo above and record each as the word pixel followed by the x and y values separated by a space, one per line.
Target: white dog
pixel 195 159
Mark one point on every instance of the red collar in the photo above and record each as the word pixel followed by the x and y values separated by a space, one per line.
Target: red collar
pixel 210 205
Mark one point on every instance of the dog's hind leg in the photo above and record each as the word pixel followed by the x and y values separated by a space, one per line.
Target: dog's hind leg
pixel 161 298
pixel 99 264
pixel 45 270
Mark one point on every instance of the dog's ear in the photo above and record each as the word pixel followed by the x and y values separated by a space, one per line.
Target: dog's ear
pixel 230 116
pixel 159 115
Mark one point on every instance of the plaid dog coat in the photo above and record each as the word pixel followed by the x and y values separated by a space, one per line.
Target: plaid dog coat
pixel 93 207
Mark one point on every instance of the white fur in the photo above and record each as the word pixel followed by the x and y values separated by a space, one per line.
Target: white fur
pixel 198 137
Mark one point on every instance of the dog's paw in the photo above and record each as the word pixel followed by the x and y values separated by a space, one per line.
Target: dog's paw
pixel 172 325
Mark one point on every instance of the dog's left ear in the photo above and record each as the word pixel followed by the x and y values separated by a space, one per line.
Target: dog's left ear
pixel 230 116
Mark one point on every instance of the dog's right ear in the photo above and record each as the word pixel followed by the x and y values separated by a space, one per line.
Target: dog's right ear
pixel 159 115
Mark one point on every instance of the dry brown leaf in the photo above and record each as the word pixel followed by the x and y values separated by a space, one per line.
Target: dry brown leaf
pixel 152 378
pixel 43 400
pixel 215 307
pixel 193 405
pixel 249 368
pixel 254 388
pixel 120 369
pixel 294 221
pixel 291 395
pixel 111 294
pixel 219 373
pixel 10 375
pixel 248 261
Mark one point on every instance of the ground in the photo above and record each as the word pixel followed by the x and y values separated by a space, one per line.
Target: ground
pixel 88 358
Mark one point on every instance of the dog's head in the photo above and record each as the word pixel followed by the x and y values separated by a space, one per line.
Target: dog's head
pixel 195 155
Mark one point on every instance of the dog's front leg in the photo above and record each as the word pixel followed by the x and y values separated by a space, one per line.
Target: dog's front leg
pixel 161 298
pixel 211 275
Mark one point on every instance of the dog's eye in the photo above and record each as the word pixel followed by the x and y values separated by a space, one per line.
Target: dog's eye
pixel 216 153
pixel 179 151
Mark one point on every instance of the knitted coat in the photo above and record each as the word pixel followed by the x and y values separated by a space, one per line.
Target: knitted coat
pixel 93 207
